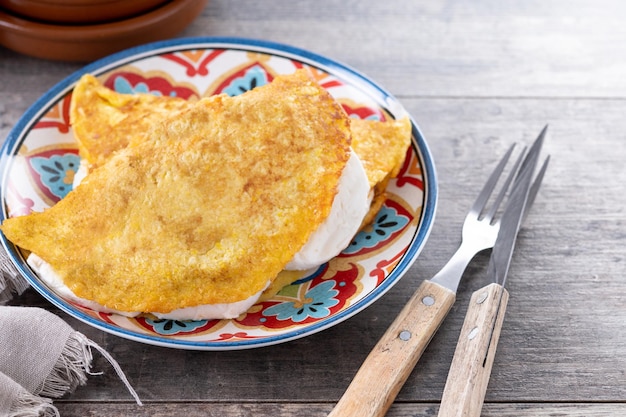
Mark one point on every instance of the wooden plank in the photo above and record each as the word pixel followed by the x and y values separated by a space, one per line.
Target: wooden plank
pixel 203 409
pixel 462 48
pixel 454 49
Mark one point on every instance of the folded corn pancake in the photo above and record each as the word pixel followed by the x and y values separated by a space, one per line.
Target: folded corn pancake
pixel 208 210
pixel 104 121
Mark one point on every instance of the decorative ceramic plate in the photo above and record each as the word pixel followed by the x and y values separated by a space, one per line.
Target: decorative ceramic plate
pixel 40 157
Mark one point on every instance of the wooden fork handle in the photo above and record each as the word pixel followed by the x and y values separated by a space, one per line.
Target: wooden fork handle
pixel 389 364
pixel 470 370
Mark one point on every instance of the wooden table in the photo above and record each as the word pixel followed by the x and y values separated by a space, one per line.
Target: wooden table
pixel 477 75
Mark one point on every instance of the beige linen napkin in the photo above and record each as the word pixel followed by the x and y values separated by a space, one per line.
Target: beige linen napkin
pixel 16 401
pixel 41 356
pixel 45 356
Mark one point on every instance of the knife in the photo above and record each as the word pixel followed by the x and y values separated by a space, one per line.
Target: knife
pixel 471 365
pixel 384 371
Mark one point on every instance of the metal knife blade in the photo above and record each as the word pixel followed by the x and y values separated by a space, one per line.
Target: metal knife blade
pixel 513 214
pixel 470 370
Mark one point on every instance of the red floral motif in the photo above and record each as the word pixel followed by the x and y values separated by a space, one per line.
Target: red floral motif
pixel 236 336
pixel 411 172
pixel 160 84
pixel 106 317
pixel 384 267
pixel 57 117
pixel 195 61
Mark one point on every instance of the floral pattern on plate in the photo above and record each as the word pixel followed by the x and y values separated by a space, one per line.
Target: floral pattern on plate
pixel 40 159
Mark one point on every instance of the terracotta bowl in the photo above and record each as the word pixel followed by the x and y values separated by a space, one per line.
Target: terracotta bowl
pixel 78 11
pixel 82 43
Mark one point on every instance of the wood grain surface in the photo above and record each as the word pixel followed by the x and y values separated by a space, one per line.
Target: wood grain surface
pixel 476 75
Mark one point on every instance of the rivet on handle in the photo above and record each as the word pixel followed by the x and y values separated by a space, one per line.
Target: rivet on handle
pixel 482 297
pixel 428 300
pixel 473 333
pixel 404 335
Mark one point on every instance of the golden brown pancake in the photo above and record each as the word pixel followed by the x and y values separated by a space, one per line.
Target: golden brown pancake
pixel 104 121
pixel 208 210
pixel 382 148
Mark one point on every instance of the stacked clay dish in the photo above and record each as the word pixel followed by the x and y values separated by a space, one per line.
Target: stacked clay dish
pixel 85 30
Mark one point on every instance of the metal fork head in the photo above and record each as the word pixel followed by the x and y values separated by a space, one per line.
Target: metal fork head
pixel 478 211
pixel 480 228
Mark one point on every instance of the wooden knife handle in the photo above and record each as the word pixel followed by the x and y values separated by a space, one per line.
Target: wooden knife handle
pixel 389 364
pixel 470 370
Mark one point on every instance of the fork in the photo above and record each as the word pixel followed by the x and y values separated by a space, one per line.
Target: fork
pixel 389 364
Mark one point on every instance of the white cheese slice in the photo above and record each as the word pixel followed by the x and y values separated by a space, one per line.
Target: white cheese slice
pixel 351 204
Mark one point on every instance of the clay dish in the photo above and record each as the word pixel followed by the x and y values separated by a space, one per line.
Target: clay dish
pixel 82 43
pixel 78 11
